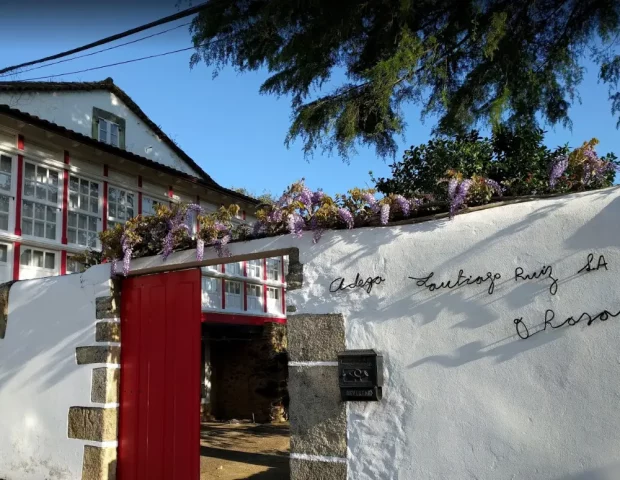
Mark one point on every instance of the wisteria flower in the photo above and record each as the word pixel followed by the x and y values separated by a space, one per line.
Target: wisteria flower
pixel 346 217
pixel 370 199
pixel 457 193
pixel 296 224
pixel 221 247
pixel 384 217
pixel 496 187
pixel 403 204
pixel 200 249
pixel 558 167
pixel 317 197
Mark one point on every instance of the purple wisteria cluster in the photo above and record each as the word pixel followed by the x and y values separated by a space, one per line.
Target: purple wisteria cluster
pixel 557 168
pixel 457 193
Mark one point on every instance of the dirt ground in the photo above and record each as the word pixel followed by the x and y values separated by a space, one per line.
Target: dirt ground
pixel 230 451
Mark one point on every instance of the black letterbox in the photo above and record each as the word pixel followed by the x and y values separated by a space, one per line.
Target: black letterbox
pixel 360 375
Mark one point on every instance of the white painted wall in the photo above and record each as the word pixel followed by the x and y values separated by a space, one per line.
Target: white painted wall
pixel 39 376
pixel 465 397
pixel 73 110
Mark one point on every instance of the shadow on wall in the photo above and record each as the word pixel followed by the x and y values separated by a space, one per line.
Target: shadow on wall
pixel 40 341
pixel 610 472
pixel 425 307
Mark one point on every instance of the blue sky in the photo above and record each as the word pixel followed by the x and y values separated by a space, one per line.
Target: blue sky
pixel 233 132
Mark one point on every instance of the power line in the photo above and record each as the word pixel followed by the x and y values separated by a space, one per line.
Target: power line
pixel 161 21
pixel 117 63
pixel 102 50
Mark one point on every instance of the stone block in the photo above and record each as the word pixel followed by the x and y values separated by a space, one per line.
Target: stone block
pixel 310 470
pixel 99 463
pixel 93 423
pixel 108 307
pixel 4 306
pixel 105 385
pixel 315 337
pixel 295 275
pixel 317 416
pixel 108 332
pixel 98 354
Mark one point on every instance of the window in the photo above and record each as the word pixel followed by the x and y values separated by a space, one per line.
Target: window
pixel 120 206
pixel 255 268
pixel 148 205
pixel 6 164
pixel 274 268
pixel 233 295
pixel 73 266
pixel 273 300
pixel 6 273
pixel 255 298
pixel 211 293
pixel 233 268
pixel 40 205
pixel 108 128
pixel 83 212
pixel 37 263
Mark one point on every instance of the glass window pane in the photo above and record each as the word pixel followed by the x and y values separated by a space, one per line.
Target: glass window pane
pixel 41 175
pixel 50 260
pixel 130 199
pixel 41 193
pixel 73 183
pixel 81 237
pixel 26 226
pixel 51 214
pixel 72 219
pixel 39 211
pixel 28 209
pixel 73 200
pixel 53 178
pixel 25 257
pixel 82 221
pixel 4 253
pixel 29 173
pixel 129 212
pixel 94 205
pixel 4 221
pixel 112 210
pixel 39 229
pixel 103 134
pixel 84 202
pixel 52 194
pixel 4 204
pixel 50 231
pixel 37 258
pixel 29 188
pixel 94 189
pixel 92 239
pixel 5 165
pixel 84 187
pixel 92 224
pixel 72 234
pixel 5 181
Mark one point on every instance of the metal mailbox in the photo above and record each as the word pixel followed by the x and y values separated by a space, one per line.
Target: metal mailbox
pixel 360 375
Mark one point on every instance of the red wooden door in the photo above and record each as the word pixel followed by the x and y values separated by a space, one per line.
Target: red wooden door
pixel 159 436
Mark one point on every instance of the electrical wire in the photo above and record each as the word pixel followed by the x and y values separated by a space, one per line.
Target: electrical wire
pixel 115 64
pixel 102 50
pixel 161 21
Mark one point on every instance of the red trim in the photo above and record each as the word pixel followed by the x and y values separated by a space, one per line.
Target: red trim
pixel 65 203
pixel 215 317
pixel 20 142
pixel 18 195
pixel 243 214
pixel 170 191
pixel 16 254
pixel 223 294
pixel 104 220
pixel 139 195
pixel 265 286
pixel 63 262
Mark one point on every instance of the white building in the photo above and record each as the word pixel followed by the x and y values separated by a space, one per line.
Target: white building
pixel 79 157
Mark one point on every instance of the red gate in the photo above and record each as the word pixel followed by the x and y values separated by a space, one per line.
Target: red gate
pixel 159 437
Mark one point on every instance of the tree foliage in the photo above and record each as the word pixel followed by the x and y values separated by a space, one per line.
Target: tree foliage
pixel 515 158
pixel 467 62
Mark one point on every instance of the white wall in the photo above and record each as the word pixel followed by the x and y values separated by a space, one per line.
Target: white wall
pixel 39 376
pixel 74 110
pixel 465 397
